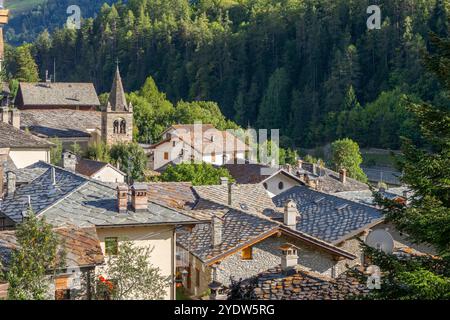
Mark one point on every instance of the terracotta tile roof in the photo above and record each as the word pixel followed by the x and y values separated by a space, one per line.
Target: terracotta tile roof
pixel 81 245
pixel 58 94
pixel 301 284
pixel 63 123
pixel 11 137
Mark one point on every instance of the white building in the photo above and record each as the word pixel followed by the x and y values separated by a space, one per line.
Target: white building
pixel 196 143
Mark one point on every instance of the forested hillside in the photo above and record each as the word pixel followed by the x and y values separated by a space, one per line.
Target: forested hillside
pixel 30 17
pixel 308 67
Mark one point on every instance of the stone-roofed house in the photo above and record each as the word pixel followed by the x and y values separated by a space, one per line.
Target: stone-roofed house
pixel 24 148
pixel 195 142
pixel 82 253
pixel 71 112
pixel 57 95
pixel 237 240
pixel 66 198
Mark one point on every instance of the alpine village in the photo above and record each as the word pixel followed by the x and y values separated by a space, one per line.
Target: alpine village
pixel 224 150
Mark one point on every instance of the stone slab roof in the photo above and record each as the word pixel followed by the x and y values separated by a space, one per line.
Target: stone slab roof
pixel 58 94
pixel 245 197
pixel 301 284
pixel 11 137
pixel 327 217
pixel 238 229
pixel 82 202
pixel 177 195
pixel 81 246
pixel 248 173
pixel 62 123
pixel 366 196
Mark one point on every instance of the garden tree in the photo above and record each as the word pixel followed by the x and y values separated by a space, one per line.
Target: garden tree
pixel 131 159
pixel 345 155
pixel 13 87
pixel 56 151
pixel 99 151
pixel 198 173
pixel 285 156
pixel 37 253
pixel 134 277
pixel 26 69
pixel 426 219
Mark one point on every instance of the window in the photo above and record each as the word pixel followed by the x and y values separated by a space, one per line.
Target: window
pixel 123 127
pixel 281 185
pixel 213 156
pixel 116 126
pixel 62 290
pixel 111 246
pixel 197 278
pixel 247 253
pixel 166 156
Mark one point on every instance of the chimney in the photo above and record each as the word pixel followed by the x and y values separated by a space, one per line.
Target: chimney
pixel 15 118
pixel 53 173
pixel 314 169
pixel 299 164
pixel 230 194
pixel 289 256
pixel 343 176
pixel 122 198
pixel 290 214
pixel 69 161
pixel 223 181
pixel 4 114
pixel 139 197
pixel 11 183
pixel 216 231
pixel 1 178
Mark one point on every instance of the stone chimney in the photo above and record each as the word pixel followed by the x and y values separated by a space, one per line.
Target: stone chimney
pixel 223 181
pixel 343 176
pixel 122 198
pixel 53 176
pixel 299 164
pixel 139 197
pixel 289 257
pixel 314 169
pixel 1 177
pixel 69 161
pixel 290 214
pixel 4 114
pixel 11 183
pixel 230 194
pixel 216 231
pixel 15 118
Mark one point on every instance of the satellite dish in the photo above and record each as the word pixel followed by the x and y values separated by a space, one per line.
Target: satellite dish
pixel 381 240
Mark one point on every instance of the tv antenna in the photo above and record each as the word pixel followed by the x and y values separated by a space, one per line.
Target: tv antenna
pixel 381 240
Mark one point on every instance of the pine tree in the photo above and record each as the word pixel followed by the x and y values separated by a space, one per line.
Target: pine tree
pixel 26 68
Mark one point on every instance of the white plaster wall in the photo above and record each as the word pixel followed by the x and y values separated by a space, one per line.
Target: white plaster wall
pixel 108 174
pixel 160 238
pixel 272 184
pixel 25 157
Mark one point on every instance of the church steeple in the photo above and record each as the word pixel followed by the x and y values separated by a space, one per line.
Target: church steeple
pixel 117 100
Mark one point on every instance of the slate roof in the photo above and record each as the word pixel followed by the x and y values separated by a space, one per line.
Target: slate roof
pixel 238 229
pixel 82 202
pixel 177 195
pixel 81 246
pixel 327 217
pixel 328 179
pixel 245 197
pixel 89 167
pixel 26 175
pixel 117 100
pixel 249 172
pixel 42 192
pixel 366 196
pixel 63 123
pixel 11 137
pixel 301 284
pixel 58 94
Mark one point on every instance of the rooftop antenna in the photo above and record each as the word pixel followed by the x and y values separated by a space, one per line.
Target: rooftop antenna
pixel 54 69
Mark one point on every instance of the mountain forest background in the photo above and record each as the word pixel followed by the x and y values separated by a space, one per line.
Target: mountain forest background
pixel 308 67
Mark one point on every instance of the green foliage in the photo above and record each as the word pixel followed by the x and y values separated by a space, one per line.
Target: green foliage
pixel 13 87
pixel 271 64
pixel 37 253
pixel 198 174
pixel 131 159
pixel 56 151
pixel 346 155
pixel 133 277
pixel 24 66
pixel 99 151
pixel 285 156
